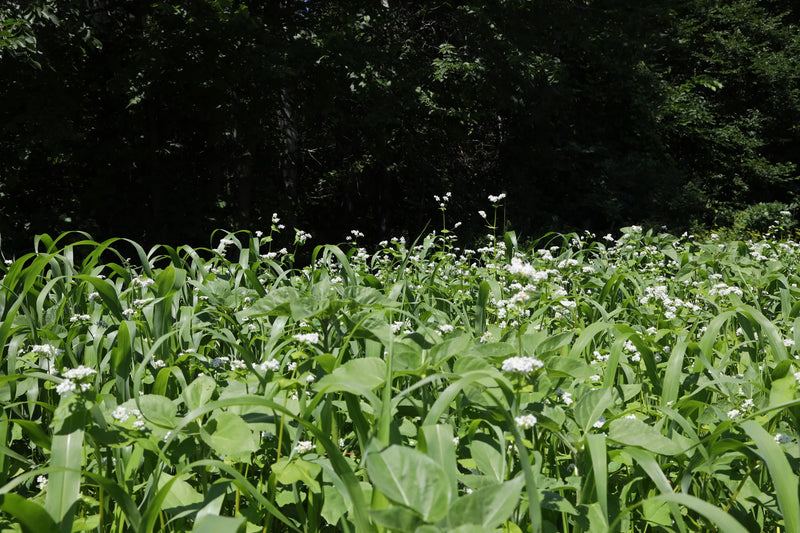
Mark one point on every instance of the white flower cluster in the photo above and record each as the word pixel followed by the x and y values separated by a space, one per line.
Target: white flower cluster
pixel 273 365
pixel 308 338
pixel 495 199
pixel 521 365
pixel 142 282
pixel 632 350
pixel 301 236
pixel 724 289
pixel 74 380
pixel 304 446
pixel 780 438
pixel 46 349
pixel 121 414
pixel 445 328
pixel 525 421
pixel 79 318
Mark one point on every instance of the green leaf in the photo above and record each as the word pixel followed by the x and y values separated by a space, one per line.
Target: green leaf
pixel 158 410
pixel 217 524
pixel 64 487
pixel 634 432
pixel 181 495
pixel 411 478
pixel 31 516
pixel 783 477
pixel 489 459
pixel 591 406
pixel 359 376
pixel 487 507
pixel 397 519
pixel 288 471
pixel 230 436
pixel 199 392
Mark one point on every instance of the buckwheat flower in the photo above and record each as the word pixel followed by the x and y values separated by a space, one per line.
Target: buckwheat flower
pixel 310 378
pixel 139 424
pixel 595 377
pixel 41 482
pixel 46 349
pixel 79 318
pixel 525 421
pixel 788 342
pixel 748 404
pixel 780 438
pixel 259 233
pixel 66 387
pixel 797 376
pixel 636 229
pixel 93 296
pixel 272 364
pixel 446 328
pixel 521 365
pixel 734 413
pixel 308 338
pixel 600 422
pixel 566 397
pixel 304 446
pixel 455 440
pixel 142 282
pixel 120 414
pixel 158 363
pixel 130 312
pixel 482 214
pixel 291 366
pixel 486 337
pixel 79 373
pixel 141 302
pixel 236 364
pixel 494 199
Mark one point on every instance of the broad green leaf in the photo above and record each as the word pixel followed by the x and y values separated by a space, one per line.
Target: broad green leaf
pixel 489 459
pixel 591 406
pixel 181 494
pixel 288 471
pixel 487 507
pixel 358 376
pixel 230 436
pixel 397 519
pixel 217 524
pixel 158 410
pixel 199 392
pixel 411 478
pixel 31 516
pixel 633 432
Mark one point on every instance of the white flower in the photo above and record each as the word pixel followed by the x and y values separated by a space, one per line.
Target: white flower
pixel 41 482
pixel 780 438
pixel 139 424
pixel 525 421
pixel 304 446
pixel 747 404
pixel 482 214
pixel 600 422
pixel 65 387
pixel 734 413
pixel 310 378
pixel 494 199
pixel 486 337
pixel 121 414
pixel 445 328
pixel 142 282
pixel 158 363
pixel 521 365
pixel 141 302
pixel 595 377
pixel 79 373
pixel 788 342
pixel 46 349
pixel 272 364
pixel 308 338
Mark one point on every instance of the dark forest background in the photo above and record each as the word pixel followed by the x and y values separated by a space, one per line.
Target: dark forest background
pixel 162 120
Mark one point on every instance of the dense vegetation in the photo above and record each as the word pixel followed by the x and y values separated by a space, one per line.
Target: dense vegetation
pixel 163 120
pixel 631 382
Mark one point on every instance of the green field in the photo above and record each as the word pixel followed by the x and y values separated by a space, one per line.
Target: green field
pixel 634 382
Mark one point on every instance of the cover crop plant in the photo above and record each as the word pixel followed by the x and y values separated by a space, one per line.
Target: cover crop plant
pixel 631 383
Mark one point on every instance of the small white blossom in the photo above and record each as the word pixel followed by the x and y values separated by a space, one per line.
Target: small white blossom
pixel 308 338
pixel 272 364
pixel 41 482
pixel 734 413
pixel 120 414
pixel 525 421
pixel 304 446
pixel 521 365
pixel 65 387
pixel 446 328
pixel 780 438
pixel 600 422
